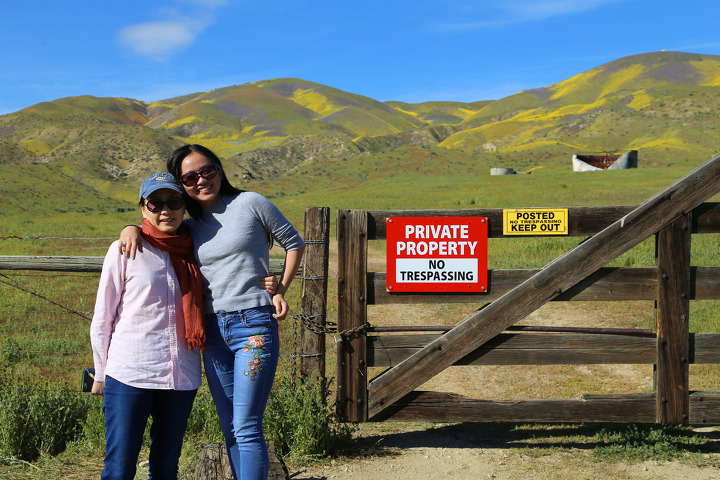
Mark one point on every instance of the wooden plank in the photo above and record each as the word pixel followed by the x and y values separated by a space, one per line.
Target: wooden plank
pixel 78 264
pixel 422 406
pixel 706 218
pixel 672 322
pixel 583 221
pixel 54 263
pixel 525 349
pixel 607 284
pixel 558 276
pixel 543 349
pixel 444 407
pixel 352 314
pixel 704 283
pixel 704 348
pixel 705 408
pixel 314 291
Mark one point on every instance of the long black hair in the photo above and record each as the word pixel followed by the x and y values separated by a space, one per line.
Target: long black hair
pixel 174 166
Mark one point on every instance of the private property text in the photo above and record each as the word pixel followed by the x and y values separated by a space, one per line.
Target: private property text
pixel 437 254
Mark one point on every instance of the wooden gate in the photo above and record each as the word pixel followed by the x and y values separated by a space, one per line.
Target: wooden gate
pixel 672 215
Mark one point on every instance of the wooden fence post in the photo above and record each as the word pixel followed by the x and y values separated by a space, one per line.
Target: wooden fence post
pixel 672 311
pixel 314 291
pixel 352 314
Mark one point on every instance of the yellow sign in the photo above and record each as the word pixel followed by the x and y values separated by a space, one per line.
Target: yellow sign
pixel 535 221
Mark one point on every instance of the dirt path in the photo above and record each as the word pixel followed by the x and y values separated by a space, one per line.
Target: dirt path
pixel 479 451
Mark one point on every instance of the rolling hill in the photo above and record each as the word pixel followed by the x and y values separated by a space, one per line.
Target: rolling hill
pixel 664 104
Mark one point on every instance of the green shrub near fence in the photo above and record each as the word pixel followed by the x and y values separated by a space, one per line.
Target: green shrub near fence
pixel 38 417
pixel 299 421
pixel 93 438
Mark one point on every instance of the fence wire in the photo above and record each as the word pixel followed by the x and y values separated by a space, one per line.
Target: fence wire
pixel 38 237
pixel 313 323
pixel 6 280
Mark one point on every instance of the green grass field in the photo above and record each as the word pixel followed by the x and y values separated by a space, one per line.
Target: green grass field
pixel 44 317
pixel 406 178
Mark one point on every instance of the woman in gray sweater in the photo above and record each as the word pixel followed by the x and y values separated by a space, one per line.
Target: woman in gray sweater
pixel 232 232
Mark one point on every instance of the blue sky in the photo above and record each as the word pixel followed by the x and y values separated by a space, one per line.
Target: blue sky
pixel 407 50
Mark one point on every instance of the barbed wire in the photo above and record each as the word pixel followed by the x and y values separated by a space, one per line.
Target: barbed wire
pixel 318 323
pixel 59 274
pixel 6 280
pixel 44 312
pixel 39 237
pixel 311 322
pixel 329 328
pixel 22 352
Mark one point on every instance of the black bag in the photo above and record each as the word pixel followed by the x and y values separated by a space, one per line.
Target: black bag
pixel 88 377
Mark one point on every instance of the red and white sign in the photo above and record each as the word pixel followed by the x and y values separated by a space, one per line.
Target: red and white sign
pixel 437 254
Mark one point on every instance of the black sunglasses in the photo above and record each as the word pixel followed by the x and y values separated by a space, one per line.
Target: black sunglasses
pixel 156 206
pixel 191 178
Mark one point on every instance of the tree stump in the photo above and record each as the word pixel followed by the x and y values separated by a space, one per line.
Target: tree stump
pixel 213 464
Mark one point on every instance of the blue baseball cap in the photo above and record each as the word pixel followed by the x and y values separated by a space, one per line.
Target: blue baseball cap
pixel 159 180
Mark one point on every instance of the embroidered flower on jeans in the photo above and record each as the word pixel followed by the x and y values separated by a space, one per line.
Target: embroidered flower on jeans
pixel 257 341
pixel 256 344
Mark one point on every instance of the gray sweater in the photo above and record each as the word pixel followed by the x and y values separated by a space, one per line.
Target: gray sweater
pixel 234 258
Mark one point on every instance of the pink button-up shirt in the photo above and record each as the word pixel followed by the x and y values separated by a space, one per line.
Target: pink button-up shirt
pixel 138 330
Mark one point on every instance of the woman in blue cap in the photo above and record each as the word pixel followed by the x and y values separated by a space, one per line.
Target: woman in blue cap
pixel 147 333
pixel 232 230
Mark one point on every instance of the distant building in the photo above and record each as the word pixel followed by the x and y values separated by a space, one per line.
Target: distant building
pixel 591 163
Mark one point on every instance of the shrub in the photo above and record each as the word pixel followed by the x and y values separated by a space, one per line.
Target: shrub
pixel 299 421
pixel 94 424
pixel 38 418
pixel 637 442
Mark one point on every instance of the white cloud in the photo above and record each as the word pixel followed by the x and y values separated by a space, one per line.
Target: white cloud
pixel 157 39
pixel 160 39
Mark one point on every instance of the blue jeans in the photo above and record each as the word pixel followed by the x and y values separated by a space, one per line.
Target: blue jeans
pixel 126 413
pixel 240 363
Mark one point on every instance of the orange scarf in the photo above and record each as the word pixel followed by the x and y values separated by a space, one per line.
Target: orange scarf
pixel 180 248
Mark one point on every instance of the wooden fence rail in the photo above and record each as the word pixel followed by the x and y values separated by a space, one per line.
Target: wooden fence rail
pixel 76 264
